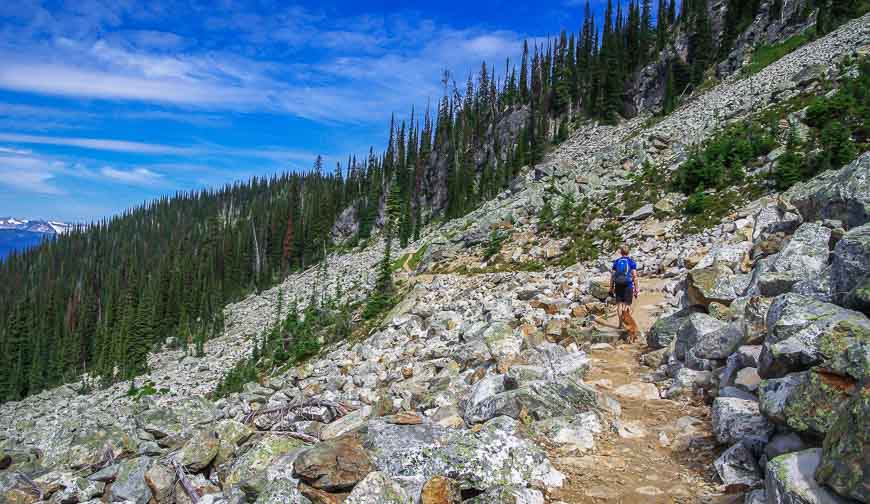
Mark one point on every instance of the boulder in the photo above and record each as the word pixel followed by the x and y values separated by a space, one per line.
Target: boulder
pixel 231 434
pixel 502 342
pixel 798 328
pixel 747 379
pixel 639 391
pixel 129 483
pixel 90 446
pixel 509 494
pixel 732 255
pixel 851 262
pixel 775 219
pixel 200 450
pixel 782 443
pixel 859 297
pixel 570 433
pixel 280 491
pixel 172 427
pixel 773 394
pixel 738 466
pixel 806 254
pixel 642 213
pixel 334 465
pixel 845 463
pixel 378 488
pixel 842 194
pixel 697 326
pixel 441 490
pixel 352 421
pixel 812 406
pixel 478 459
pixel 755 497
pixel 721 343
pixel 161 481
pixel 737 419
pixel 716 283
pixel 666 329
pixel 790 479
pixel 15 488
pixel 846 350
pixel 686 381
pixel 251 468
pixel 538 400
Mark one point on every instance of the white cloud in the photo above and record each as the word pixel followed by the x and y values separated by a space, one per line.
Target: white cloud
pixel 26 173
pixel 97 144
pixel 137 176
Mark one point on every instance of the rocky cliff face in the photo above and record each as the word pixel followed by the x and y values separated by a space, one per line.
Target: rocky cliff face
pixel 487 388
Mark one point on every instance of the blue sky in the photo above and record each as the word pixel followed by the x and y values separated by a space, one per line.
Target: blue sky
pixel 107 103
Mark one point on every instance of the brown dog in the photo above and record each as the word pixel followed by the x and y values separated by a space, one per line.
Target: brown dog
pixel 630 327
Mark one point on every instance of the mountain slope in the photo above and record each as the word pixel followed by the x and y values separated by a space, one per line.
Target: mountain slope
pixel 474 381
pixel 21 234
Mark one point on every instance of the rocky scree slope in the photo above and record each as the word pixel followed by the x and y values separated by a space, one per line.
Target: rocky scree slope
pixel 445 401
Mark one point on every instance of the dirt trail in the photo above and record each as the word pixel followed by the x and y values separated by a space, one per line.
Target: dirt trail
pixel 663 450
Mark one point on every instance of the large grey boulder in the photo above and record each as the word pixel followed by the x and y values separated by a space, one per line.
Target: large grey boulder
pixel 508 494
pixel 773 394
pixel 798 326
pixel 697 326
pixel 774 219
pixel 721 343
pixel 378 488
pixel 851 263
pixel 737 419
pixel 537 399
pixel 129 484
pixel 665 329
pixel 172 427
pixel 790 479
pixel 842 194
pixel 715 284
pixel 493 455
pixel 738 465
pixel 812 407
pixel 806 253
pixel 845 464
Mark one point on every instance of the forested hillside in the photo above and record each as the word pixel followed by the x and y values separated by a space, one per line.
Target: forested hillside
pixel 99 299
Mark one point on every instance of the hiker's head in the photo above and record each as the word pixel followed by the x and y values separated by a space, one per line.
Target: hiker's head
pixel 624 250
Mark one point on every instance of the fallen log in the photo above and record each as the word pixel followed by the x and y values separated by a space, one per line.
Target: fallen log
pixel 191 492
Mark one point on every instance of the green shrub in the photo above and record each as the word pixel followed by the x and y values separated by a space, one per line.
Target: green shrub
pixel 493 246
pixel 720 162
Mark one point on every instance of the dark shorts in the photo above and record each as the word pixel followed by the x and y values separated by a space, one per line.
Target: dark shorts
pixel 624 294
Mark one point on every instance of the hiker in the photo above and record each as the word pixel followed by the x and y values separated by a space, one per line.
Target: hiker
pixel 624 286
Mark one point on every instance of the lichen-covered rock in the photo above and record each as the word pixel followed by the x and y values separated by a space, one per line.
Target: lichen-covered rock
pixel 697 326
pixel 851 262
pixel 281 491
pixel 666 329
pixel 842 194
pixel 502 342
pixel 797 327
pixel 813 405
pixel 538 400
pixel 773 394
pixel 334 465
pixel 738 465
pixel 200 450
pixel 378 488
pixel 846 350
pixel 129 483
pixel 441 490
pixel 231 434
pixel 716 283
pixel 721 343
pixel 90 448
pixel 493 455
pixel 172 427
pixel 161 481
pixel 509 494
pixel 15 488
pixel 737 419
pixel 806 254
pixel 572 434
pixel 845 464
pixel 790 479
pixel 251 467
pixel 859 297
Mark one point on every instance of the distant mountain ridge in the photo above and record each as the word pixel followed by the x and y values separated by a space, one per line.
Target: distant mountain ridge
pixel 21 234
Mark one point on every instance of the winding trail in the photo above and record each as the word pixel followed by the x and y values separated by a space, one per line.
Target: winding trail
pixel 662 451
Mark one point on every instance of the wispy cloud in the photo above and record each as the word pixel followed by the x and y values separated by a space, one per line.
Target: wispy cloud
pixel 97 144
pixel 22 172
pixel 138 176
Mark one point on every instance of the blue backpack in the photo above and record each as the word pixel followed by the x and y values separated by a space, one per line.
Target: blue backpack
pixel 620 276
